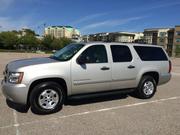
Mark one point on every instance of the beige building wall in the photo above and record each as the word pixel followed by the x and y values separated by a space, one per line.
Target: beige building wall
pixel 61 31
pixel 176 46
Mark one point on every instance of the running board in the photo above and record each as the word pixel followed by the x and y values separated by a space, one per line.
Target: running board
pixel 101 94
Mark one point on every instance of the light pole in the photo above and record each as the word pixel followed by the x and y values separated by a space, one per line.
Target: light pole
pixel 0 28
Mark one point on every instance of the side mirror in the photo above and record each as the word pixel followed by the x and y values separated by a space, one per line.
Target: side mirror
pixel 81 60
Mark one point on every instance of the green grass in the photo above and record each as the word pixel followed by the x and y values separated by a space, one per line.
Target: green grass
pixel 5 50
pixel 23 51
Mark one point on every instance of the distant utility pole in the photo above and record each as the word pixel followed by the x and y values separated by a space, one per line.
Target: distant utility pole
pixel 44 29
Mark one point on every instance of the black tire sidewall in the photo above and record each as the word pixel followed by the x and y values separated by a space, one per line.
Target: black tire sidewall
pixel 141 93
pixel 37 90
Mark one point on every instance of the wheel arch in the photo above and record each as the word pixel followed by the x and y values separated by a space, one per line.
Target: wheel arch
pixel 60 81
pixel 153 74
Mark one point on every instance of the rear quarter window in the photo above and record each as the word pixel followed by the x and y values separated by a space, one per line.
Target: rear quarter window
pixel 151 53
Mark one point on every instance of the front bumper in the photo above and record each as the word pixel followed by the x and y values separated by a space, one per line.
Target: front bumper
pixel 15 92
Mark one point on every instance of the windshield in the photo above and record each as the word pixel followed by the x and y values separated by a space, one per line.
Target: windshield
pixel 67 52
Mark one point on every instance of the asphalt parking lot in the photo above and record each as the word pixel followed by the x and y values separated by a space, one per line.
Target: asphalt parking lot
pixel 114 115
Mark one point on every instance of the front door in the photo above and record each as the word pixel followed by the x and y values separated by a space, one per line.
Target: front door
pixel 94 74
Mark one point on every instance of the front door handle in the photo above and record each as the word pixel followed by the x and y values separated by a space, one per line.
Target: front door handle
pixel 105 68
pixel 131 66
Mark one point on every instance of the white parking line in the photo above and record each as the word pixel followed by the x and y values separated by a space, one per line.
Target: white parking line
pixel 176 74
pixel 90 112
pixel 16 124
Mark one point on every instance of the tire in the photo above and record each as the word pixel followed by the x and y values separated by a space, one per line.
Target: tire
pixel 146 88
pixel 46 98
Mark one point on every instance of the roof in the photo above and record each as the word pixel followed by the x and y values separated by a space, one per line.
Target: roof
pixel 60 26
pixel 156 29
pixel 117 43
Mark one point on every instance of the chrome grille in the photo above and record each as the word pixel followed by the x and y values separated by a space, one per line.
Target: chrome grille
pixel 6 73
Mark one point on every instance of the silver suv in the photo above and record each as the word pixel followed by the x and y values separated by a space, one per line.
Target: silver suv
pixel 86 68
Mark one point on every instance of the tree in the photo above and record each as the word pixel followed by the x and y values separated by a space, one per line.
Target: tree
pixel 47 41
pixel 60 43
pixel 28 32
pixel 29 41
pixel 65 41
pixel 56 44
pixel 8 40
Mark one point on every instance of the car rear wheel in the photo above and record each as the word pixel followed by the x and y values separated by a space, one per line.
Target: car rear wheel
pixel 146 88
pixel 47 97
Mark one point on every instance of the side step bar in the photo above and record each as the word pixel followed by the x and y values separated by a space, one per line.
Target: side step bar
pixel 101 94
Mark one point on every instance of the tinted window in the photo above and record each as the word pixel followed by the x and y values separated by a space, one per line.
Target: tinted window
pixel 121 53
pixel 95 54
pixel 150 53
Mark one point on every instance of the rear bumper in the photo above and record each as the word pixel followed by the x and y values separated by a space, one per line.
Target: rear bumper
pixel 15 92
pixel 164 78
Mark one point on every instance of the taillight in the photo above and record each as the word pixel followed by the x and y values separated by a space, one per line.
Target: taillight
pixel 170 66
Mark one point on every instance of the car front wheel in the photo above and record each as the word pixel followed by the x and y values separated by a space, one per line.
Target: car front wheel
pixel 47 97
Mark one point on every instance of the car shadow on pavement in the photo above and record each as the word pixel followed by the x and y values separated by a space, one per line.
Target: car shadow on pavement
pixel 17 107
pixel 73 101
pixel 89 100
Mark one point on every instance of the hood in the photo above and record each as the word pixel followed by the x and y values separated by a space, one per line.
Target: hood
pixel 14 65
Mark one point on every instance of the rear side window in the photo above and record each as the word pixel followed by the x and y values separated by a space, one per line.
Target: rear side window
pixel 151 53
pixel 121 53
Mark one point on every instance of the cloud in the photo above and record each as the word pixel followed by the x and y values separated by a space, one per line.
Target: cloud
pixel 155 5
pixel 7 23
pixel 164 5
pixel 110 23
pixel 88 18
pixel 4 4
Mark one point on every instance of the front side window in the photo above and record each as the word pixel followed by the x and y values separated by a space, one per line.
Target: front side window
pixel 121 53
pixel 95 54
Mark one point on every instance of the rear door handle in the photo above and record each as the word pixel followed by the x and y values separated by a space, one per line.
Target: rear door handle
pixel 105 68
pixel 131 66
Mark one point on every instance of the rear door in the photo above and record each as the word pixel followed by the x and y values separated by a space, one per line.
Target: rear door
pixel 124 69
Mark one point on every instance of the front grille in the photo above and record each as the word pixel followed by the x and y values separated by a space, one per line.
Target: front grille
pixel 6 73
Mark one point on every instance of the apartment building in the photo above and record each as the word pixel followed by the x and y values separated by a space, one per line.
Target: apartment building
pixel 62 31
pixel 170 42
pixel 123 37
pixel 169 38
pixel 176 46
pixel 157 36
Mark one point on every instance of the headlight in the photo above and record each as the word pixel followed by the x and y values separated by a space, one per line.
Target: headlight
pixel 15 77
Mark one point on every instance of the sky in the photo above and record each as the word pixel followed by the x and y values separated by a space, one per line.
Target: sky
pixel 89 16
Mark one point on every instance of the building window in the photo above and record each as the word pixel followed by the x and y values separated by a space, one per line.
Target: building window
pixel 162 34
pixel 178 40
pixel 178 33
